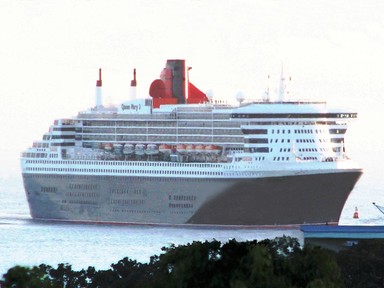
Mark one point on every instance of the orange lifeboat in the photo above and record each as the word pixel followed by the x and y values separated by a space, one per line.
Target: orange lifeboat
pixel 190 148
pixel 165 148
pixel 214 149
pixel 200 148
pixel 181 148
pixel 108 147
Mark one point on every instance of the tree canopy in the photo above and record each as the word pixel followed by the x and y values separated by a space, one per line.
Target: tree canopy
pixel 280 262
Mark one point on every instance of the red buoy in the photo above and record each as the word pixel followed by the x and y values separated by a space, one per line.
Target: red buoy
pixel 356 214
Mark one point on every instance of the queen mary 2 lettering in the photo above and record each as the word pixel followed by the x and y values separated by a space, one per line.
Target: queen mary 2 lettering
pixel 177 157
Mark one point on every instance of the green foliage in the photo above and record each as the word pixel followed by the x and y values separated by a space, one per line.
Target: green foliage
pixel 20 276
pixel 280 262
pixel 363 265
pixel 314 266
pixel 191 265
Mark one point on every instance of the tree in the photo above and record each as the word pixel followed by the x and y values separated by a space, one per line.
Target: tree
pixel 280 262
pixel 20 276
pixel 362 265
pixel 191 265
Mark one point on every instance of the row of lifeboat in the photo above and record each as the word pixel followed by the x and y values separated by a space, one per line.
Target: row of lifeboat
pixel 153 149
pixel 199 148
pixel 127 149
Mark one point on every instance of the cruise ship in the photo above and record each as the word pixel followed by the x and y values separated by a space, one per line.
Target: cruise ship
pixel 178 157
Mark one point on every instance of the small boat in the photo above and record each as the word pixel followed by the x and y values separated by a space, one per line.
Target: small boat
pixel 214 149
pixel 117 147
pixel 139 149
pixel 152 149
pixel 190 148
pixel 128 149
pixel 165 148
pixel 180 148
pixel 108 147
pixel 200 148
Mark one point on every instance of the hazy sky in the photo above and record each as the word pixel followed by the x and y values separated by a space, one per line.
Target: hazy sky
pixel 51 50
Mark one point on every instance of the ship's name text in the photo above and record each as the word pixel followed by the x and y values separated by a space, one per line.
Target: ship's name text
pixel 132 107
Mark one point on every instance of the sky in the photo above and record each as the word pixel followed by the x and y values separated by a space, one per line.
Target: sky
pixel 51 51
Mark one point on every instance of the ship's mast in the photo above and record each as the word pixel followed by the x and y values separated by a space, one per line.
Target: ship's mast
pixel 281 96
pixel 133 85
pixel 99 100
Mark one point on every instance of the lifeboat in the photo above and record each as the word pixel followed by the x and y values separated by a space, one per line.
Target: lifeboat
pixel 139 149
pixel 180 148
pixel 190 148
pixel 117 146
pixel 165 148
pixel 152 149
pixel 128 149
pixel 214 149
pixel 108 147
pixel 200 148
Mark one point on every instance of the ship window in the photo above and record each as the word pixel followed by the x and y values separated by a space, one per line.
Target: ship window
pixel 262 150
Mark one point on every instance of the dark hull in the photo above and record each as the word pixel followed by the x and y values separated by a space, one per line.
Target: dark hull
pixel 316 198
pixel 287 200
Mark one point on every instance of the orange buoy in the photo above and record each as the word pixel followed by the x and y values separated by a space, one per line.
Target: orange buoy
pixel 356 214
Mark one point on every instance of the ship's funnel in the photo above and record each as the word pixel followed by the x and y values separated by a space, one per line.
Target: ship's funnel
pixel 173 85
pixel 195 96
pixel 178 84
pixel 98 91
